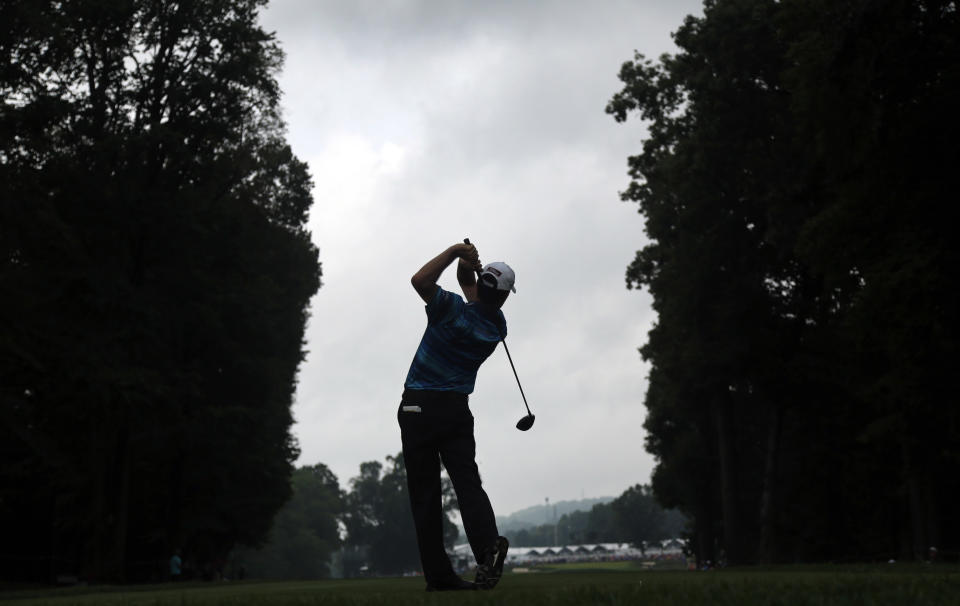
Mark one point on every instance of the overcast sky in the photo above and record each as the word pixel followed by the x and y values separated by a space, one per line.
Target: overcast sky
pixel 425 122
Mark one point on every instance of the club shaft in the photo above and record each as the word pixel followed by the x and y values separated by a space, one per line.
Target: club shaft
pixel 509 357
pixel 514 368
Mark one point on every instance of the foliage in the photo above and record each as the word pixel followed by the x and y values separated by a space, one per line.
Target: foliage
pixel 545 513
pixel 305 531
pixel 640 519
pixel 379 524
pixel 633 517
pixel 156 269
pixel 795 179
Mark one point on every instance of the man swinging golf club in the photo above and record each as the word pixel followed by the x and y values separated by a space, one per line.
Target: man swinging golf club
pixel 435 420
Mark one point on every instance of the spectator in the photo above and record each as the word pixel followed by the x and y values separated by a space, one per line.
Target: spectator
pixel 176 566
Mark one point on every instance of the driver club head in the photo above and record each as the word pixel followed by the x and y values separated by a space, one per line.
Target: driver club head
pixel 526 422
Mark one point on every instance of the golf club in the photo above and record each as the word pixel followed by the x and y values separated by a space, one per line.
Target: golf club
pixel 526 422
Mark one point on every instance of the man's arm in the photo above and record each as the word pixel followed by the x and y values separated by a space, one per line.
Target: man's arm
pixel 467 277
pixel 425 280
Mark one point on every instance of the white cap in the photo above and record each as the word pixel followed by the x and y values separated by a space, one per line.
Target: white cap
pixel 502 273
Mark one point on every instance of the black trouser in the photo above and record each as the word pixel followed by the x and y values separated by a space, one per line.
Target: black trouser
pixel 441 428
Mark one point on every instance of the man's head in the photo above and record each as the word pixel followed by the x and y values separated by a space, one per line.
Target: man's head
pixel 495 283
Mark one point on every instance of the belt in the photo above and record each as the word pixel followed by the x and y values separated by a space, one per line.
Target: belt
pixel 425 396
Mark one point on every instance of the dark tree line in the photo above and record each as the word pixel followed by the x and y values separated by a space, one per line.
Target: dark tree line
pixel 363 531
pixel 155 273
pixel 633 517
pixel 798 184
pixel 380 535
pixel 305 532
pixel 367 529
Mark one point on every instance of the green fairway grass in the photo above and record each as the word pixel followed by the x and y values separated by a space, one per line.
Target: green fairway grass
pixel 877 586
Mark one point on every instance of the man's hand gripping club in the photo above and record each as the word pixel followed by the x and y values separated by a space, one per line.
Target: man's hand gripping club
pixel 425 280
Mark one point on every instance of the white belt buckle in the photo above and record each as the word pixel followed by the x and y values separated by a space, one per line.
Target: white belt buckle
pixel 411 409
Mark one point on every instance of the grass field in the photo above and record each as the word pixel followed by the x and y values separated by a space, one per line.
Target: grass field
pixel 566 584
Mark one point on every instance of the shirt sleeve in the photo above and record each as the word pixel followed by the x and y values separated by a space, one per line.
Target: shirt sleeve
pixel 443 306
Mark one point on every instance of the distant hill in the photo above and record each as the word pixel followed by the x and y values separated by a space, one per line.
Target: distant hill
pixel 538 515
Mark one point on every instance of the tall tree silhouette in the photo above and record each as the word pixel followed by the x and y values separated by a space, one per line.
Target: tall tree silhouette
pixel 156 269
pixel 793 182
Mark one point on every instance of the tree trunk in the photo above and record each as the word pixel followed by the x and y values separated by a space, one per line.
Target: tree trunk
pixel 118 547
pixel 92 528
pixel 705 538
pixel 728 485
pixel 767 539
pixel 923 510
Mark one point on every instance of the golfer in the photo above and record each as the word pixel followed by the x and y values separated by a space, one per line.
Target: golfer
pixel 435 420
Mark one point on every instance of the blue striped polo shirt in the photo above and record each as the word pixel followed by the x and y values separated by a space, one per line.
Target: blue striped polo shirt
pixel 458 338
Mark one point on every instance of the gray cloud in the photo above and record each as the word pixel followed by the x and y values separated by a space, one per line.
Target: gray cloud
pixel 425 122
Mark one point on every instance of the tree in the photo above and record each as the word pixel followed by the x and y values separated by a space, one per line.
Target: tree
pixel 305 531
pixel 886 152
pixel 715 144
pixel 791 182
pixel 633 517
pixel 639 516
pixel 379 522
pixel 156 270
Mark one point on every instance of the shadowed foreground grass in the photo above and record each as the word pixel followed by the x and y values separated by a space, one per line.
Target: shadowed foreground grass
pixel 781 586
